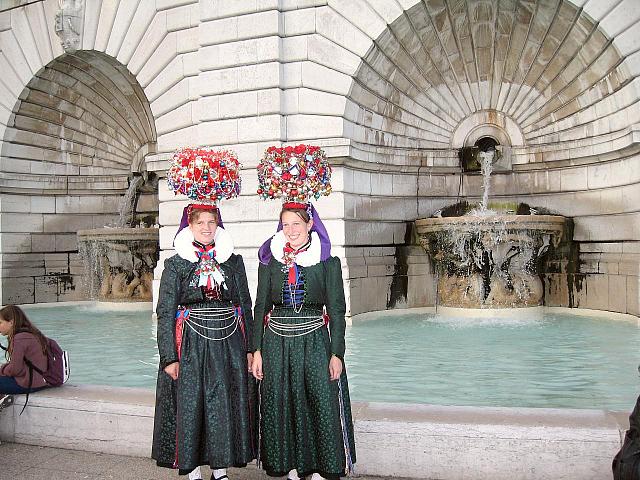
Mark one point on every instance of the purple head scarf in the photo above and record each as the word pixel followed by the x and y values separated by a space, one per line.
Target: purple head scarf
pixel 264 254
pixel 184 221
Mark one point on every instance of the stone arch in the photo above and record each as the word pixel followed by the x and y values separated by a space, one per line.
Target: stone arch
pixel 547 66
pixel 557 81
pixel 83 109
pixel 130 40
pixel 491 123
pixel 78 131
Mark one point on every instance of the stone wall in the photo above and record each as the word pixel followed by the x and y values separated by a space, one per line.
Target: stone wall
pixel 391 91
pixel 39 257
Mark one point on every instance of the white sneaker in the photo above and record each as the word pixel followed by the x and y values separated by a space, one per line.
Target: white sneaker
pixel 195 474
pixel 293 475
pixel 317 476
pixel 219 474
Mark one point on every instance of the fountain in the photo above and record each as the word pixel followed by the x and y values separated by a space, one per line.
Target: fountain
pixel 486 258
pixel 119 260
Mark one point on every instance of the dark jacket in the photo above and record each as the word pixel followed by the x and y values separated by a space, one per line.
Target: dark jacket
pixel 175 290
pixel 323 287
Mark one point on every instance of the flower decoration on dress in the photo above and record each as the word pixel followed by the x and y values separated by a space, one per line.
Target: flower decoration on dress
pixel 204 174
pixel 295 174
pixel 208 274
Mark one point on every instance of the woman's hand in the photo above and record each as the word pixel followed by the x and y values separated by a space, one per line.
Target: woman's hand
pixel 335 368
pixel 173 369
pixel 249 361
pixel 256 365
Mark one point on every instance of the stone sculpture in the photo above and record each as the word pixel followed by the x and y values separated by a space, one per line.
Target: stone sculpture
pixel 69 24
pixel 119 262
pixel 489 261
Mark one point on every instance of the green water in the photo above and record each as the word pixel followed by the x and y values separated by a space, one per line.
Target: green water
pixel 106 347
pixel 563 360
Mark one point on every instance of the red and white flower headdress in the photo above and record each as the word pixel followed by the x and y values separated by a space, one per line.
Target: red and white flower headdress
pixel 294 174
pixel 205 175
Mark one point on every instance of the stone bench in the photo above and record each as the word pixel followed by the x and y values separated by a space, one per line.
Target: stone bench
pixel 419 441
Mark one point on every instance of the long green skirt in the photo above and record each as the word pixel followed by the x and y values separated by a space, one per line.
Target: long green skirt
pixel 305 418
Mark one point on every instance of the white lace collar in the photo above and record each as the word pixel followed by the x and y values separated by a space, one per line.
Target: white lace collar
pixel 183 245
pixel 304 259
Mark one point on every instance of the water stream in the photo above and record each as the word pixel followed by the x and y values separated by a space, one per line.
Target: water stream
pixel 486 163
pixel 119 259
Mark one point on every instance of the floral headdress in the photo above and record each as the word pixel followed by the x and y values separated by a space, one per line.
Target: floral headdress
pixel 296 175
pixel 205 175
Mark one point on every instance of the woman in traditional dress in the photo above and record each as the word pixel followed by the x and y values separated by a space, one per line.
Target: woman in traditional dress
pixel 305 414
pixel 203 400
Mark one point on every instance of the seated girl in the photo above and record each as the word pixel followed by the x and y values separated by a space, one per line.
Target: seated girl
pixel 26 342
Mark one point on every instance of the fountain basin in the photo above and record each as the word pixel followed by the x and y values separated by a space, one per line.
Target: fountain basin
pixel 552 224
pixel 409 441
pixel 562 359
pixel 489 261
pixel 394 439
pixel 119 262
pixel 119 234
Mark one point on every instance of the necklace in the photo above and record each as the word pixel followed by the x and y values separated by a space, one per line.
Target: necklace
pixel 294 277
pixel 293 292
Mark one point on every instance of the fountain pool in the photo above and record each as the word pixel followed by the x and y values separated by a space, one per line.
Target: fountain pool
pixel 108 343
pixel 561 360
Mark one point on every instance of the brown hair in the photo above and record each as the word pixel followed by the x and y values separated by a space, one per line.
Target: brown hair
pixel 13 313
pixel 301 212
pixel 193 213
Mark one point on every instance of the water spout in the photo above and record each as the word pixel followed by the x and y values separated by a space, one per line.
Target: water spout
pixel 119 260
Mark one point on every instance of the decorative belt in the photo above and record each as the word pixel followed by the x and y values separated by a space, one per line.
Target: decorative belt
pixel 207 321
pixel 299 328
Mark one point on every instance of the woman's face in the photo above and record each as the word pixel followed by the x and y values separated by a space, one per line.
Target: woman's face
pixel 295 230
pixel 5 327
pixel 204 227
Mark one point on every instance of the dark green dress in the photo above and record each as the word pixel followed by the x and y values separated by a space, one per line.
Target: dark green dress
pixel 204 417
pixel 305 419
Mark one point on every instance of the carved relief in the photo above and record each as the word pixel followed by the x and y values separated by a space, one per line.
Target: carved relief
pixel 489 262
pixel 69 24
pixel 119 262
